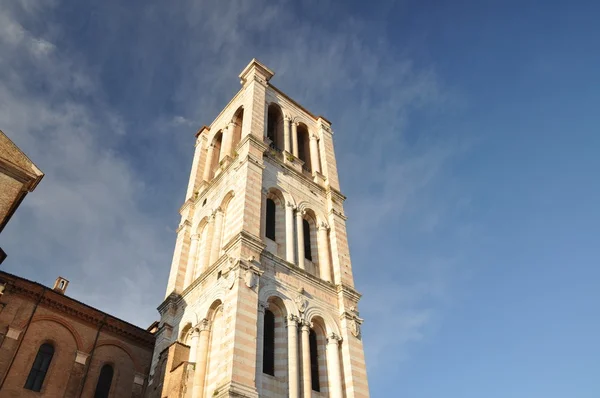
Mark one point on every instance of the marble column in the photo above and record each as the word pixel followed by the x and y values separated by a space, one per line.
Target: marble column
pixel 286 134
pixel 314 154
pixel 300 237
pixel 260 337
pixel 208 165
pixel 295 139
pixel 333 367
pixel 191 263
pixel 210 227
pixel 215 251
pixel 194 336
pixel 201 359
pixel 227 141
pixel 306 373
pixel 289 232
pixel 293 377
pixel 323 246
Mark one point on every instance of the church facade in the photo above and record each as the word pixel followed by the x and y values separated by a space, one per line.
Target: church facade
pixel 260 300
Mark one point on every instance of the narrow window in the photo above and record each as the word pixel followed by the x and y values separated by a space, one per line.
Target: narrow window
pixel 314 361
pixel 306 228
pixel 270 227
pixel 104 382
pixel 269 344
pixel 271 125
pixel 38 371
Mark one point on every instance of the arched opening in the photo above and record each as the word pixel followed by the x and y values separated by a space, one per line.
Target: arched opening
pixel 318 355
pixel 201 251
pixel 270 219
pixel 307 241
pixel 304 146
pixel 269 343
pixel 314 361
pixel 275 127
pixel 40 366
pixel 215 365
pixel 229 228
pixel 238 119
pixel 104 382
pixel 274 222
pixel 217 141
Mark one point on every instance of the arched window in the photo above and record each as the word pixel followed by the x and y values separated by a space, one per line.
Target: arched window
pixel 314 361
pixel 38 371
pixel 217 141
pixel 304 146
pixel 306 231
pixel 238 120
pixel 269 344
pixel 270 221
pixel 275 126
pixel 104 382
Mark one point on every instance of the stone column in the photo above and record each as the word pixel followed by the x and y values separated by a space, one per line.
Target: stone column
pixel 260 343
pixel 314 154
pixel 192 258
pixel 306 374
pixel 289 232
pixel 201 359
pixel 210 227
pixel 194 336
pixel 333 367
pixel 208 164
pixel 295 139
pixel 323 243
pixel 215 250
pixel 227 141
pixel 286 134
pixel 300 237
pixel 293 378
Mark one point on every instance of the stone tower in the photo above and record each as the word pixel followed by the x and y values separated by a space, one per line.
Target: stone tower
pixel 260 300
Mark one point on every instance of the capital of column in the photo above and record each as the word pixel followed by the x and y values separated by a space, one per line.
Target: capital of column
pixel 323 225
pixel 293 320
pixel 195 333
pixel 290 204
pixel 216 212
pixel 195 236
pixel 334 339
pixel 313 137
pixel 204 325
pixel 305 325
pixel 262 306
pixel 287 118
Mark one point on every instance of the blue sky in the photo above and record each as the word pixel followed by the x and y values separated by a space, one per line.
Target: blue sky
pixel 466 134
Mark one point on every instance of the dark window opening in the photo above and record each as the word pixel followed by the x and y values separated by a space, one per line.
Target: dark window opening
pixel 38 371
pixel 270 221
pixel 314 361
pixel 104 382
pixel 306 231
pixel 269 344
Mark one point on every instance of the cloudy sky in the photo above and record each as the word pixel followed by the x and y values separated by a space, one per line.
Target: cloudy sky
pixel 468 144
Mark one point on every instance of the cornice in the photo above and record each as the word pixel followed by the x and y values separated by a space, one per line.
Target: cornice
pixel 300 273
pixel 303 179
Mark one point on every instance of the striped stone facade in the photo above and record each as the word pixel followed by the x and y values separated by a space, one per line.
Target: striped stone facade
pixel 227 274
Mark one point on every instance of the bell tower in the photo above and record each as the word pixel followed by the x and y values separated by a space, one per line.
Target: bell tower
pixel 260 300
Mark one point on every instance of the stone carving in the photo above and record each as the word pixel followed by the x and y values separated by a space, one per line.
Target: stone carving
pixel 250 278
pixel 301 302
pixel 355 328
pixel 231 278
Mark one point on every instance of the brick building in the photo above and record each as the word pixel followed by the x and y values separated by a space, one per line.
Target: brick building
pixel 54 346
pixel 260 299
